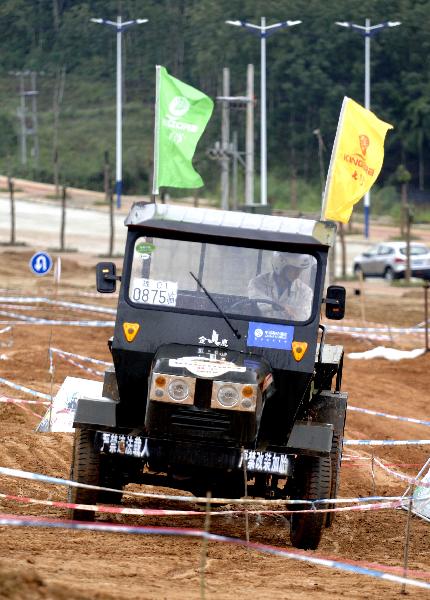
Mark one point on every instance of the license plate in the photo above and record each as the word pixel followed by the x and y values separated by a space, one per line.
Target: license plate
pixel 265 462
pixel 154 291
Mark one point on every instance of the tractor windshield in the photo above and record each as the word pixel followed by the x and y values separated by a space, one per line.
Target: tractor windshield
pixel 247 282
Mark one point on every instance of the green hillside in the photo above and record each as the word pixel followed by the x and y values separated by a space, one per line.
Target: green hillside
pixel 309 69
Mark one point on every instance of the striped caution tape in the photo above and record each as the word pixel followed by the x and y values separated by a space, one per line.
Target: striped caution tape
pixel 202 499
pixel 388 416
pixel 355 462
pixel 412 480
pixel 386 442
pixel 20 521
pixel 61 293
pixel 75 305
pixel 95 361
pixel 67 356
pixel 370 336
pixel 22 307
pixel 382 329
pixel 21 401
pixel 27 390
pixel 26 320
pixel 29 410
pixel 82 367
pixel 398 503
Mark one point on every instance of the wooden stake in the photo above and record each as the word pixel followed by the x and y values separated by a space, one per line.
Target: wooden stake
pixel 204 552
pixel 407 538
pixel 245 479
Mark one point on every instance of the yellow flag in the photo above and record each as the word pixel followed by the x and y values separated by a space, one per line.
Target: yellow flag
pixel 356 160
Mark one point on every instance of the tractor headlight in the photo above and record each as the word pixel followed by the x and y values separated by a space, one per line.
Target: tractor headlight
pixel 228 396
pixel 171 388
pixel 178 390
pixel 234 396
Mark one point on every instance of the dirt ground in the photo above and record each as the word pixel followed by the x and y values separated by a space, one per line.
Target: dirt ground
pixel 42 563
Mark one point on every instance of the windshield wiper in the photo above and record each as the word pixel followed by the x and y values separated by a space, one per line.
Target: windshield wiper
pixel 221 312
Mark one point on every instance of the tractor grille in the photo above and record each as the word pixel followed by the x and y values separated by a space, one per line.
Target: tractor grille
pixel 203 393
pixel 199 422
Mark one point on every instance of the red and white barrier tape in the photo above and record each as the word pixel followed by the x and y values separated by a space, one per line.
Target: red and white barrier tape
pixel 411 480
pixel 21 401
pixel 195 499
pixel 167 512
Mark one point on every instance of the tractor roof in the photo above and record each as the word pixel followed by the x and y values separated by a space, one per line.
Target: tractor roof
pixel 231 224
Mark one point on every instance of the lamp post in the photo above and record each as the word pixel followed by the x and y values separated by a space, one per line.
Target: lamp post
pixel 263 31
pixel 120 26
pixel 368 31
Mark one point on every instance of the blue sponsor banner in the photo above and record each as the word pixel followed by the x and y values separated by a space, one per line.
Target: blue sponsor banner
pixel 269 335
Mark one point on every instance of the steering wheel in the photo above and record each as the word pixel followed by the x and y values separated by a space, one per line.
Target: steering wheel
pixel 254 302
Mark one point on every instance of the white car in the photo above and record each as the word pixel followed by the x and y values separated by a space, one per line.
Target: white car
pixel 388 260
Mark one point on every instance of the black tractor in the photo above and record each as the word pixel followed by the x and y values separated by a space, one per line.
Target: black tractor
pixel 221 376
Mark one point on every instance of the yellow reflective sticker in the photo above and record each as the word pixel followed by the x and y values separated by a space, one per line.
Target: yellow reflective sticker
pixel 130 330
pixel 299 349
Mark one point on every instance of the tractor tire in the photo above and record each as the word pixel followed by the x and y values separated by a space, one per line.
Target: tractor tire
pixel 85 469
pixel 111 476
pixel 336 460
pixel 312 481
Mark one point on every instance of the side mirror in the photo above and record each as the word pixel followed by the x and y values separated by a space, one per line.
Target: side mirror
pixel 335 302
pixel 106 277
pixel 366 254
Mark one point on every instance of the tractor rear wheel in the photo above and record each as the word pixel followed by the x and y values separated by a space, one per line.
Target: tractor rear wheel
pixel 312 481
pixel 85 469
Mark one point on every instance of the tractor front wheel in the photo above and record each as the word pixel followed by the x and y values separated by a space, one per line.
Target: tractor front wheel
pixel 312 481
pixel 85 469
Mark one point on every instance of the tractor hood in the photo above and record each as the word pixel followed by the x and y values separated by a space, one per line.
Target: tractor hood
pixel 205 363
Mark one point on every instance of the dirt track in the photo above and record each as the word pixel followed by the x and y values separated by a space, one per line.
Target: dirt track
pixel 61 564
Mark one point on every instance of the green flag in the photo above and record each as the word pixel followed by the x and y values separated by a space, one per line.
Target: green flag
pixel 181 115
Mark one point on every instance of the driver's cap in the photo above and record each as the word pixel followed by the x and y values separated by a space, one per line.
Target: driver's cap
pixel 287 259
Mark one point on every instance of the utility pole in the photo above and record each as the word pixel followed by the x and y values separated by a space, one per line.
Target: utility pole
pixel 223 152
pixel 263 31
pixel 22 114
pixel 235 154
pixel 408 243
pixel 368 31
pixel 225 139
pixel 27 114
pixel 249 150
pixel 321 149
pixel 119 25
pixel 34 94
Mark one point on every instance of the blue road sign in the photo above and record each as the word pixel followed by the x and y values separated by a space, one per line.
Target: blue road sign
pixel 40 263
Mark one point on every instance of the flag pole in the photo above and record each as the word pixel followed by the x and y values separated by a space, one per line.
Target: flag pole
pixel 155 189
pixel 333 154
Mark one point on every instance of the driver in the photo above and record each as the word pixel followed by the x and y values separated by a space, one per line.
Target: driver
pixel 282 286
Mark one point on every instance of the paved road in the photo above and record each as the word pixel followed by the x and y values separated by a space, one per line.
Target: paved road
pixel 38 224
pixel 87 230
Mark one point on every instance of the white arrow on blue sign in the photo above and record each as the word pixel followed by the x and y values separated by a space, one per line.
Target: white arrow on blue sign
pixel 40 263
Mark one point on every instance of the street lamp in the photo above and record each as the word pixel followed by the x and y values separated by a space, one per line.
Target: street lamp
pixel 120 26
pixel 368 31
pixel 263 31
